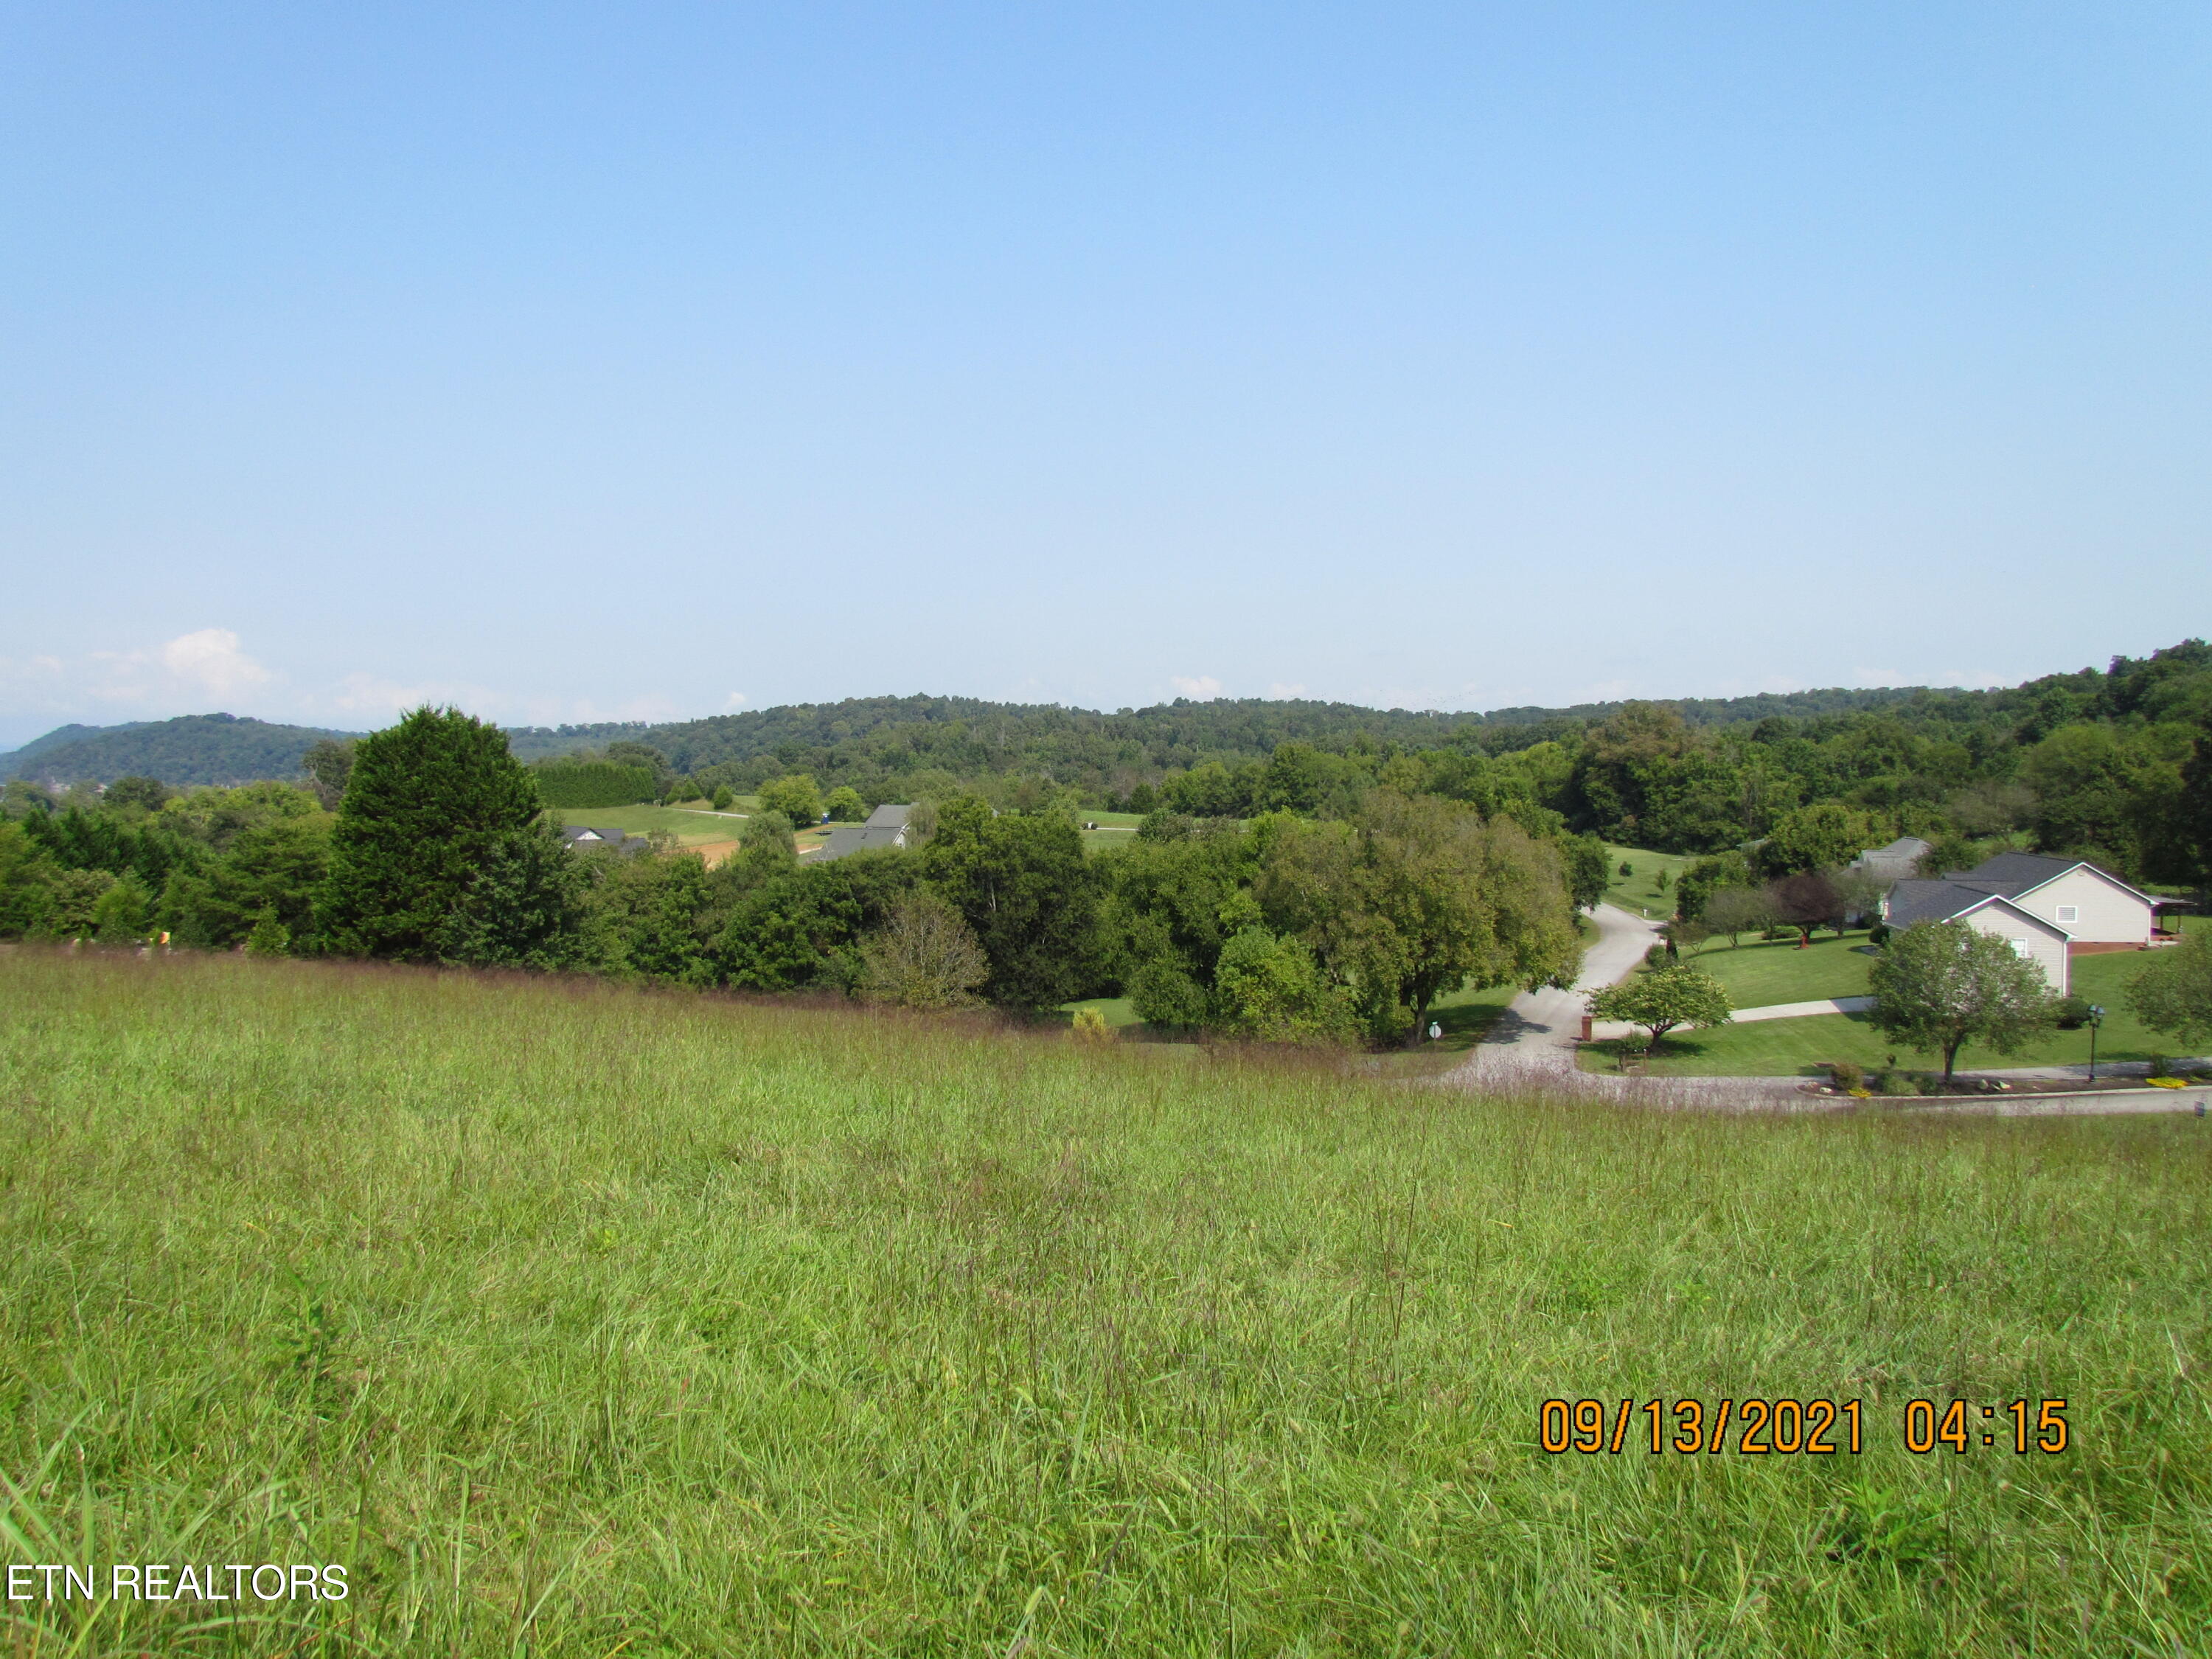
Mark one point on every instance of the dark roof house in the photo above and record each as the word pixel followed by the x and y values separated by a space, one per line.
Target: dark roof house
pixel 886 827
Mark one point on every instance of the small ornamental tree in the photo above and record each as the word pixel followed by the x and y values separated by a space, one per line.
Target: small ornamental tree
pixel 1941 985
pixel 2173 995
pixel 429 803
pixel 1661 998
pixel 1807 902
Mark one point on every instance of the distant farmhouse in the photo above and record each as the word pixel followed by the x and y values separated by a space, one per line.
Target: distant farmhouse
pixel 886 827
pixel 582 840
pixel 2052 910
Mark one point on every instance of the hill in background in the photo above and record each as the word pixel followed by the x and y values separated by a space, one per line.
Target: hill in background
pixel 216 749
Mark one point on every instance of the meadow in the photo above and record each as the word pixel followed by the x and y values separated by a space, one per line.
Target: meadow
pixel 578 1319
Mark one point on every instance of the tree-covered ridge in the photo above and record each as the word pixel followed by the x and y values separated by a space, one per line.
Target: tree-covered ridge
pixel 1162 737
pixel 192 749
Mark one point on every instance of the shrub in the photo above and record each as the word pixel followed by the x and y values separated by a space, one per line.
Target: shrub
pixel 1898 1083
pixel 1090 1026
pixel 1847 1075
pixel 2073 1013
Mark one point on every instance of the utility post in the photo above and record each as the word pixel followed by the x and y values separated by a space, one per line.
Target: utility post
pixel 2096 1019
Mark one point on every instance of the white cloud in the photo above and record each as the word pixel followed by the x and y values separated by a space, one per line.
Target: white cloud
pixel 1200 686
pixel 737 700
pixel 1281 688
pixel 212 660
pixel 207 663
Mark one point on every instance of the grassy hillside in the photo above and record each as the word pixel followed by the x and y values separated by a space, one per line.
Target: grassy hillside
pixel 585 1320
pixel 1639 892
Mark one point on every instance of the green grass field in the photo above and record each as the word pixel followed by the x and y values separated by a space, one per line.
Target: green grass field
pixel 582 1320
pixel 1783 1047
pixel 689 825
pixel 1640 893
pixel 1759 972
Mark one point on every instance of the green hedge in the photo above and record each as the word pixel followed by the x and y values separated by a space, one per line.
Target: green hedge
pixel 593 783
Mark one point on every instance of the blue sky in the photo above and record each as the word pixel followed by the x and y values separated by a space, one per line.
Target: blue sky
pixel 582 362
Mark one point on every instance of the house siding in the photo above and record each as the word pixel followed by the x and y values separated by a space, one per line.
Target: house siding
pixel 2105 915
pixel 2045 948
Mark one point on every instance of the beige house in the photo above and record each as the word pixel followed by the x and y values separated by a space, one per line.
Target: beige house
pixel 2052 910
pixel 2099 911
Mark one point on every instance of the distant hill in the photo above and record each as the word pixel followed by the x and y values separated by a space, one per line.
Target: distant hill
pixel 1178 734
pixel 964 735
pixel 217 749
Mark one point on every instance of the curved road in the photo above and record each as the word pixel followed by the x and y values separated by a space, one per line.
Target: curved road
pixel 1533 1040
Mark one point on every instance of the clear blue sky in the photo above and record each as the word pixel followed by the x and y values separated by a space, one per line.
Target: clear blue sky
pixel 596 361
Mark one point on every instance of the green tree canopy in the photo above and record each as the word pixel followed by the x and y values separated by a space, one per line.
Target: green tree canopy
pixel 798 797
pixel 1023 885
pixel 1941 985
pixel 845 804
pixel 1818 837
pixel 430 802
pixel 2173 995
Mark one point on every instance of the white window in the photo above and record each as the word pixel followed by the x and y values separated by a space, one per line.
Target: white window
pixel 2020 947
pixel 2069 913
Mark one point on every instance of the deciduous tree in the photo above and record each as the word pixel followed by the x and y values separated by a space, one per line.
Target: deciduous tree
pixel 2173 995
pixel 1941 985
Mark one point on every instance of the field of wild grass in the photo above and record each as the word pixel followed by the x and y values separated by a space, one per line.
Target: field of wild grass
pixel 577 1320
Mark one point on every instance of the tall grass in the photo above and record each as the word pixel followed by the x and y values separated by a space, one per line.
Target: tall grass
pixel 579 1320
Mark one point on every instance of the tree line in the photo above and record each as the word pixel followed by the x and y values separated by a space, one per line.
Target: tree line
pixel 2112 764
pixel 429 842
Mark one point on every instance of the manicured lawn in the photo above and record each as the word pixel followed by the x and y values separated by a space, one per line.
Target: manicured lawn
pixel 1639 894
pixel 1758 972
pixel 1785 1047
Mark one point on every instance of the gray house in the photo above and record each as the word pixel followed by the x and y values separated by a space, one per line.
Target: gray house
pixel 1895 862
pixel 886 827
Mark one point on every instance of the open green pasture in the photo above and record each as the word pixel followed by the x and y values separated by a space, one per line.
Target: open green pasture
pixel 1640 893
pixel 582 1320
pixel 1784 1047
pixel 689 825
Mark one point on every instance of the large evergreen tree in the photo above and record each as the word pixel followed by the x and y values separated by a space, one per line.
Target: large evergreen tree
pixel 430 805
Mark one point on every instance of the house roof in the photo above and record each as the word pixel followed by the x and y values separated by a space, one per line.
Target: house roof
pixel 2023 873
pixel 1900 857
pixel 1949 899
pixel 886 827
